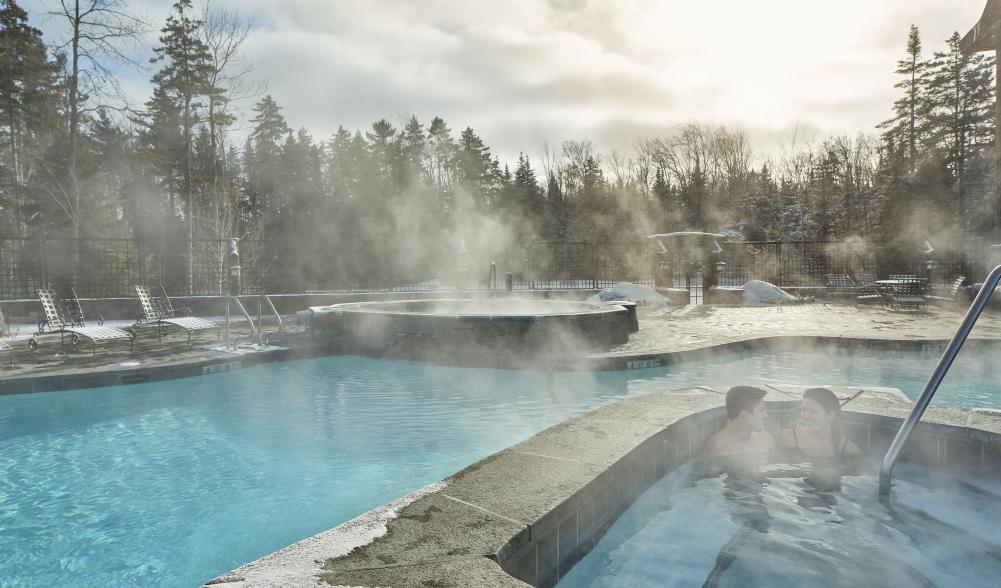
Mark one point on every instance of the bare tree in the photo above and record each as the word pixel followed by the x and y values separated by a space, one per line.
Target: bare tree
pixel 224 33
pixel 100 32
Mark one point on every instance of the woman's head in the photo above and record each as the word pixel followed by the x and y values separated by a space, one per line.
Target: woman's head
pixel 821 410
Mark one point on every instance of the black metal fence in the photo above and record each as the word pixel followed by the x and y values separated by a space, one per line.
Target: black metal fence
pixel 107 268
pixel 110 267
pixel 794 264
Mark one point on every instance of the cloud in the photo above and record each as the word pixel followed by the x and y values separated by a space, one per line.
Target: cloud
pixel 522 72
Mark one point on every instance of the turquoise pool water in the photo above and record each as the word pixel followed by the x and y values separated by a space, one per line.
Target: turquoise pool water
pixel 788 527
pixel 172 483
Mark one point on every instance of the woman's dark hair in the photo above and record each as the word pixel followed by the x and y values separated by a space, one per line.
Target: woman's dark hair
pixel 830 403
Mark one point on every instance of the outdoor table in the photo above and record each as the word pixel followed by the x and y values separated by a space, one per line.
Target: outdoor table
pixel 889 285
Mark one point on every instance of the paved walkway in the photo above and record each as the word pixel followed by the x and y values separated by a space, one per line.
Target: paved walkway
pixel 687 327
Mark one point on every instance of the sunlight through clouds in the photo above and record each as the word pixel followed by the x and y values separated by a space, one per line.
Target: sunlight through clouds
pixel 525 70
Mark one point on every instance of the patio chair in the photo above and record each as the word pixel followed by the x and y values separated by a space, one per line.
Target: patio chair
pixel 55 323
pixel 954 290
pixel 840 284
pixel 865 279
pixel 866 289
pixel 907 293
pixel 72 311
pixel 160 312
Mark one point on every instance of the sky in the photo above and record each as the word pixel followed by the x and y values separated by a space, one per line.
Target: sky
pixel 527 73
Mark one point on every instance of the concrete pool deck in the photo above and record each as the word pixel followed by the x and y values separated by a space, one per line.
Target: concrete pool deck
pixel 525 515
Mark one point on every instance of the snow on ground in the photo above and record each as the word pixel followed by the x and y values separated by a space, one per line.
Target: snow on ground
pixel 757 292
pixel 641 295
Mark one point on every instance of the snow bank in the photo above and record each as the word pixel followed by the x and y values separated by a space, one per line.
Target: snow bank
pixel 641 295
pixel 758 292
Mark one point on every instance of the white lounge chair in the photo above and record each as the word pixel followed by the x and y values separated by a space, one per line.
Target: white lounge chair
pixel 54 323
pixel 161 313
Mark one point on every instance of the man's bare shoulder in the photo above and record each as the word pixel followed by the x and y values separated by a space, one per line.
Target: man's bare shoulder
pixel 716 444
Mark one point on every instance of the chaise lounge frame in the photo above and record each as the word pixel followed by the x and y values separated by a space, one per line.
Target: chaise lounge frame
pixel 54 323
pixel 161 313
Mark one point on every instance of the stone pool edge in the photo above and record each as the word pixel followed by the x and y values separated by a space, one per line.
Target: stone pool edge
pixel 525 515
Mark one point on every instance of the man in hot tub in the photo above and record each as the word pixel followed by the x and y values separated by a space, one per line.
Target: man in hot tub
pixel 744 434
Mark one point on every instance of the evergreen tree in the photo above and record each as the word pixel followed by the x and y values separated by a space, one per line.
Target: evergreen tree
pixel 178 85
pixel 528 199
pixel 476 170
pixel 265 163
pixel 29 90
pixel 904 126
pixel 961 96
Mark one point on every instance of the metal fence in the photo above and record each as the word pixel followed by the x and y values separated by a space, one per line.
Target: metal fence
pixel 794 264
pixel 110 267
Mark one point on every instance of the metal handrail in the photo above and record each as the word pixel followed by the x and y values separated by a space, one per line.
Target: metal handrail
pixel 274 311
pixel 886 470
pixel 253 328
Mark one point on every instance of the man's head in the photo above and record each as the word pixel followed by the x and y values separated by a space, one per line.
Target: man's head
pixel 747 402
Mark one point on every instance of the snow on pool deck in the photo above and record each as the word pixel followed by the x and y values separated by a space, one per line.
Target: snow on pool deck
pixel 688 327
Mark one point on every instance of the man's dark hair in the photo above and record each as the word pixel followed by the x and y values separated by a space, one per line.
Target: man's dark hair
pixel 741 398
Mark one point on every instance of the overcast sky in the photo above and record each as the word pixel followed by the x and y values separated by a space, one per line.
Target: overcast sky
pixel 525 72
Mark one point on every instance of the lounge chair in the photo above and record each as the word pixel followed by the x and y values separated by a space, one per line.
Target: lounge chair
pixel 55 323
pixel 160 312
pixel 73 312
pixel 840 284
pixel 907 293
pixel 866 289
pixel 7 348
pixel 954 290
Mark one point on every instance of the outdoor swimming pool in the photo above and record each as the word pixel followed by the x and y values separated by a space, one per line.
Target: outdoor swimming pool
pixel 172 483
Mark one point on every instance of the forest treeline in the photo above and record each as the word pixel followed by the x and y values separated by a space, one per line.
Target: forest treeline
pixel 401 198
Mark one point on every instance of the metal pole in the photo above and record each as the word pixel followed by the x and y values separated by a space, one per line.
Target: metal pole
pixel 235 286
pixel 260 318
pixel 886 471
pixel 227 323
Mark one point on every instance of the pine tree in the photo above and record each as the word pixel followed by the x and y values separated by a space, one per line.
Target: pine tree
pixel 29 90
pixel 267 137
pixel 961 95
pixel 527 196
pixel 183 79
pixel 476 170
pixel 904 126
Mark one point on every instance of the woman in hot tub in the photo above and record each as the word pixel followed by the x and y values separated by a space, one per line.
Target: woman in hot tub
pixel 819 434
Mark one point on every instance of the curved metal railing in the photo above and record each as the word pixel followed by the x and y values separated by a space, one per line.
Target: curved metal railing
pixel 886 471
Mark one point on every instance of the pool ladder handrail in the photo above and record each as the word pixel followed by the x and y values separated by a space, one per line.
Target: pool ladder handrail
pixel 886 470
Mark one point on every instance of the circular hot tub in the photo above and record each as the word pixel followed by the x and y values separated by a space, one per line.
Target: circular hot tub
pixel 481 331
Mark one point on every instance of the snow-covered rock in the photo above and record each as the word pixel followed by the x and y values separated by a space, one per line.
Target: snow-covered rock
pixel 641 295
pixel 758 292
